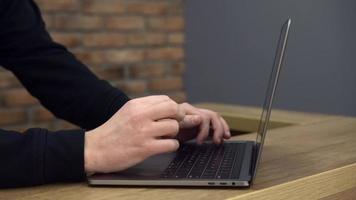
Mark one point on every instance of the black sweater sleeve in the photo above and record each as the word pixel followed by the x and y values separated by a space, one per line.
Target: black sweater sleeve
pixel 63 85
pixel 52 74
pixel 37 157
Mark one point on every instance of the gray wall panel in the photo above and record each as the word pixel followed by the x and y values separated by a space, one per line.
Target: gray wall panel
pixel 231 44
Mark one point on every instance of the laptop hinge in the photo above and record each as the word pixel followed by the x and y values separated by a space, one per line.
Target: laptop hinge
pixel 254 161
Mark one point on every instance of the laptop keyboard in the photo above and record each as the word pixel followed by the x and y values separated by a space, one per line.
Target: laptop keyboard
pixel 206 161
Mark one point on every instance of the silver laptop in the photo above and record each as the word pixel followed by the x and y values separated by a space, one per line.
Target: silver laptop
pixel 232 164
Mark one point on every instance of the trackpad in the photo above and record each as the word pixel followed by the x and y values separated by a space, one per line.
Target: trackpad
pixel 150 168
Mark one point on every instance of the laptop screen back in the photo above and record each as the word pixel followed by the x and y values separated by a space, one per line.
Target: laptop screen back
pixel 270 93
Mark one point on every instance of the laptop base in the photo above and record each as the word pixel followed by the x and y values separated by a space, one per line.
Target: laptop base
pixel 150 171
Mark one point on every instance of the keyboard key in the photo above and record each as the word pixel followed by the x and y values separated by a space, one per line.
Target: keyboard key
pixel 205 162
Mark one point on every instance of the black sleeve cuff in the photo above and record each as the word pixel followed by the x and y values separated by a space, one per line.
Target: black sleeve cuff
pixel 99 109
pixel 64 156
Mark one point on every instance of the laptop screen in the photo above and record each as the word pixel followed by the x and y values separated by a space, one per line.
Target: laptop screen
pixel 270 93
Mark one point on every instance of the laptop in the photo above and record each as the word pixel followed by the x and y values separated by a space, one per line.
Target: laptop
pixel 232 164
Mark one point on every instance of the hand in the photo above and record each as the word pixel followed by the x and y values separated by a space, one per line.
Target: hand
pixel 200 122
pixel 141 128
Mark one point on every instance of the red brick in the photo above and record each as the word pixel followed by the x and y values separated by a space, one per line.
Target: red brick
pixel 166 84
pixel 134 86
pixel 176 8
pixel 41 114
pixel 105 40
pixel 18 97
pixel 77 22
pixel 147 39
pixel 58 5
pixel 70 40
pixel 12 116
pixel 166 53
pixel 148 70
pixel 103 6
pixel 91 57
pixel 178 69
pixel 112 73
pixel 176 38
pixel 124 56
pixel 48 19
pixel 125 23
pixel 64 125
pixel 148 8
pixel 8 80
pixel 167 24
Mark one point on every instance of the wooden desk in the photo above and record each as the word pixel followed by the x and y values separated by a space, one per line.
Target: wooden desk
pixel 306 156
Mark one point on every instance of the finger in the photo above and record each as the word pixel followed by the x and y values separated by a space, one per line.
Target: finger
pixel 165 128
pixel 227 134
pixel 165 146
pixel 204 129
pixel 189 109
pixel 190 121
pixel 205 121
pixel 217 126
pixel 165 110
pixel 180 115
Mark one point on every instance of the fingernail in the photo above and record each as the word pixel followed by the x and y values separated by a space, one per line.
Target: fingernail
pixel 228 133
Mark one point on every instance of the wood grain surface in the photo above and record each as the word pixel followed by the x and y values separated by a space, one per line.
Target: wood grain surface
pixel 246 118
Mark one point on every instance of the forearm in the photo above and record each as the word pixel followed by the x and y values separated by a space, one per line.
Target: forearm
pixel 50 72
pixel 68 89
pixel 38 156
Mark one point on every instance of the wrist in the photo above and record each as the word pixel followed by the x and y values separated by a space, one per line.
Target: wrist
pixel 89 153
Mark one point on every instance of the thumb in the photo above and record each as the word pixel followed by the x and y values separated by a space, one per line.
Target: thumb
pixel 190 121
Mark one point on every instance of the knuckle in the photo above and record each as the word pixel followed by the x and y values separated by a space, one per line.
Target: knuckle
pixel 212 114
pixel 166 97
pixel 173 107
pixel 185 104
pixel 174 145
pixel 205 118
pixel 163 97
pixel 175 126
pixel 216 115
pixel 172 128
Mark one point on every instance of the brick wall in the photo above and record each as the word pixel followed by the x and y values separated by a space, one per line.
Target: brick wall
pixel 137 45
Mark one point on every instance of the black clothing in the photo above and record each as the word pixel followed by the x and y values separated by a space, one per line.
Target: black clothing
pixel 63 85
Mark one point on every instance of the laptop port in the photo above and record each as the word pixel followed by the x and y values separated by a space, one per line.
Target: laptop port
pixel 223 183
pixel 211 183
